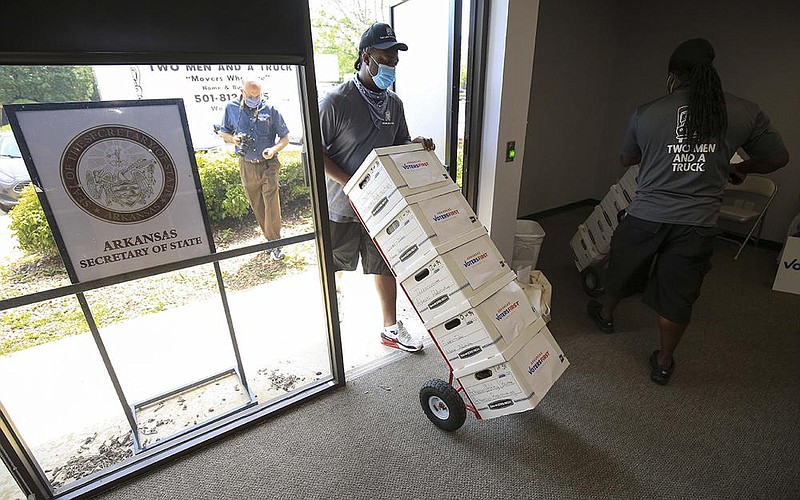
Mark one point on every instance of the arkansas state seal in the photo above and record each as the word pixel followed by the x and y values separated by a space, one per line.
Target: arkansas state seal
pixel 118 174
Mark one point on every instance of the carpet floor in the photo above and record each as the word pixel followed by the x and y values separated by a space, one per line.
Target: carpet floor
pixel 725 427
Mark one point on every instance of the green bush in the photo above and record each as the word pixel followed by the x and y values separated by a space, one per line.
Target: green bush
pixel 29 225
pixel 294 192
pixel 222 188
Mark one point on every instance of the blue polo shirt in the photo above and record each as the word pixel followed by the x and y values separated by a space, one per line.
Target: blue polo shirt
pixel 263 123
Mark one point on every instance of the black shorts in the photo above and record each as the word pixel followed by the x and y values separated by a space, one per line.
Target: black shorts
pixel 677 256
pixel 350 240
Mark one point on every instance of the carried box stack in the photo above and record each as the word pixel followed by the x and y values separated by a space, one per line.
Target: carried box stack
pixel 592 241
pixel 480 318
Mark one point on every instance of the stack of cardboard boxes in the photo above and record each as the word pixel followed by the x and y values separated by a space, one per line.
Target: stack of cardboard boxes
pixel 592 241
pixel 497 346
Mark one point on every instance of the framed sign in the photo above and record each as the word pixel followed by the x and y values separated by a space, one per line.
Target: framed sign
pixel 118 182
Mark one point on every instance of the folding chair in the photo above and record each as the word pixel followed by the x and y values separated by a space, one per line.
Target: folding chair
pixel 746 205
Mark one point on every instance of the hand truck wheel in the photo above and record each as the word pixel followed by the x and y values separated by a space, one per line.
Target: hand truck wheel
pixel 442 405
pixel 592 281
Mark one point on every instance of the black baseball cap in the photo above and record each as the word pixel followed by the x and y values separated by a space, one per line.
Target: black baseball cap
pixel 380 36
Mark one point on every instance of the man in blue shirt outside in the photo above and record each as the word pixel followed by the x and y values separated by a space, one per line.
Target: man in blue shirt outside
pixel 252 126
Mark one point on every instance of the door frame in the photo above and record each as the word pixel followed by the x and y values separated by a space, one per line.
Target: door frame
pixel 40 44
pixel 476 76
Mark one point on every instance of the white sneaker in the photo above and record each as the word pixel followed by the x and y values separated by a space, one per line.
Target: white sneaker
pixel 400 339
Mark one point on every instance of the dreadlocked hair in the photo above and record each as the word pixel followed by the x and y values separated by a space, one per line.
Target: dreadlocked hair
pixel 708 115
pixel 693 63
pixel 357 63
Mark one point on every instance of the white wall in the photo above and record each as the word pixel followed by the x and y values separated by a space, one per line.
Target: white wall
pixel 509 63
pixel 420 25
pixel 572 76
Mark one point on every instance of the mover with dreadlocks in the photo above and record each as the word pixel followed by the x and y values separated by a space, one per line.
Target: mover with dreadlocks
pixel 683 143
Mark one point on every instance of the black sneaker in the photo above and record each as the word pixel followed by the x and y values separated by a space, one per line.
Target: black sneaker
pixel 595 308
pixel 659 374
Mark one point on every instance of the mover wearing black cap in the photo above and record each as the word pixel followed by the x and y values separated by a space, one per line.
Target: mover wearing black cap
pixel 378 36
pixel 381 36
pixel 360 115
pixel 683 143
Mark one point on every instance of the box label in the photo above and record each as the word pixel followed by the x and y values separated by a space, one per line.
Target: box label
pixel 418 168
pixel 510 311
pixel 449 216
pixel 479 261
pixel 373 194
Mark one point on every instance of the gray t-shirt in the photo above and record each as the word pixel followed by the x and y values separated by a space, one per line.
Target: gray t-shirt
pixel 679 184
pixel 349 135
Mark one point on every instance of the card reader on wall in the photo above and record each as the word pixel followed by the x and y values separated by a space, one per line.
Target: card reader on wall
pixel 511 151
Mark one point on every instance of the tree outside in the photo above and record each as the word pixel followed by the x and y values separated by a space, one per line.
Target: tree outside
pixel 337 25
pixel 46 84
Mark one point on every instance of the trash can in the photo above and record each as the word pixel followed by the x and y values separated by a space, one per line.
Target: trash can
pixel 528 239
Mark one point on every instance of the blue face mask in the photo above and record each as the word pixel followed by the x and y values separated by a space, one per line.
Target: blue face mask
pixel 385 76
pixel 252 102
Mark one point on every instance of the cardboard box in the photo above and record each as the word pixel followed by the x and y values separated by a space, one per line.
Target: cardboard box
pixel 484 325
pixel 586 253
pixel 788 277
pixel 453 274
pixel 626 194
pixel 609 212
pixel 374 224
pixel 388 175
pixel 600 229
pixel 614 202
pixel 629 181
pixel 518 378
pixel 414 229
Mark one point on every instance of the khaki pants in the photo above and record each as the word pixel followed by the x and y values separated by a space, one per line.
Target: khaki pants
pixel 260 181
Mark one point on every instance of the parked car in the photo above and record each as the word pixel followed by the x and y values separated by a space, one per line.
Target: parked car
pixel 13 174
pixel 206 141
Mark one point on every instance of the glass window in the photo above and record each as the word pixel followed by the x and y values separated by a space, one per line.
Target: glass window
pixel 153 353
pixel 9 490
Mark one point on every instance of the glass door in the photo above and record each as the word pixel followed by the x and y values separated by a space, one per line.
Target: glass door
pixel 440 79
